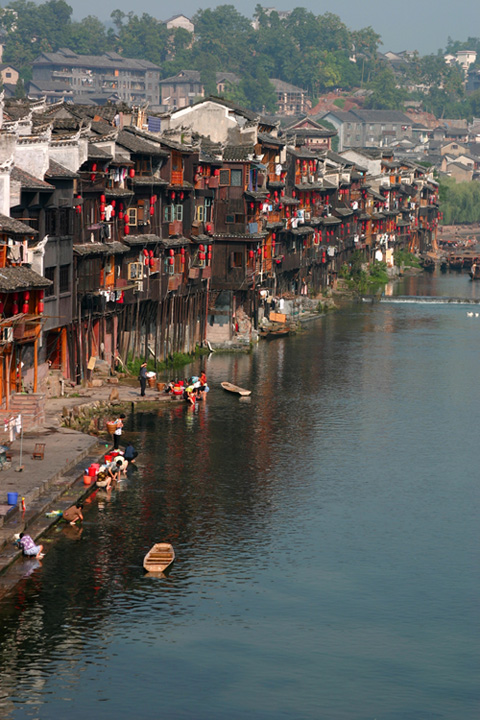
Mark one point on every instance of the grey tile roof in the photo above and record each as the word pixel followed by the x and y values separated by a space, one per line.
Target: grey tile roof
pixel 98 153
pixel 90 249
pixel 147 239
pixel 21 277
pixel 139 145
pixel 55 170
pixel 108 61
pixel 10 226
pixel 29 182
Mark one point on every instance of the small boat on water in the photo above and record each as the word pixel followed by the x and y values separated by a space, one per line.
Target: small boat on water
pixel 235 389
pixel 275 332
pixel 159 557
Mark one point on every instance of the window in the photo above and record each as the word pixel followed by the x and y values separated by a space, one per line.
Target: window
pixel 49 273
pixel 173 212
pixel 200 213
pixel 64 280
pixel 235 219
pixel 236 178
pixel 132 216
pixel 224 177
pixel 236 260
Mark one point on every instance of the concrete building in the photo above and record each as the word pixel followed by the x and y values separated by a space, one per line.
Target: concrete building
pixel 369 128
pixel 180 21
pixel 96 77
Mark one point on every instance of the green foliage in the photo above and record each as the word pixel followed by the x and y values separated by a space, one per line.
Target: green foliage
pixel 385 93
pixel 403 257
pixel 459 202
pixel 361 277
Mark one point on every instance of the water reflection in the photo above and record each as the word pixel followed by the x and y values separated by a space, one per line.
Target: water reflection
pixel 325 537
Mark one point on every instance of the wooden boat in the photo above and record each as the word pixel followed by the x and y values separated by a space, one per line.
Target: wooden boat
pixel 159 557
pixel 235 389
pixel 272 333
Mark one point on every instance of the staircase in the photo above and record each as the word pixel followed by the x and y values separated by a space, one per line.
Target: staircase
pixel 31 407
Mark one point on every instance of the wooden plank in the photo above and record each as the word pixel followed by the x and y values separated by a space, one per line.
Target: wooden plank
pixel 277 317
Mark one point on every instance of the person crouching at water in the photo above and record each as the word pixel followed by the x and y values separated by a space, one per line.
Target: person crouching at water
pixel 29 548
pixel 73 514
pixel 114 469
pixel 130 453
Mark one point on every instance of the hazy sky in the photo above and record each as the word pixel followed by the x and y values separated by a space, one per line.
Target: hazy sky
pixel 404 25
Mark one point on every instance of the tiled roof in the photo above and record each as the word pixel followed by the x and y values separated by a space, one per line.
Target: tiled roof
pixel 55 170
pixel 146 239
pixel 20 277
pixel 139 145
pixel 29 182
pixel 238 153
pixel 90 249
pixel 98 153
pixel 108 61
pixel 10 226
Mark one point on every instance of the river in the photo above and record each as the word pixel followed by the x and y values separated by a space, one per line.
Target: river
pixel 326 535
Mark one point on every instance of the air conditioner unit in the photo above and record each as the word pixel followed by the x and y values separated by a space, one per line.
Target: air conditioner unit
pixel 7 334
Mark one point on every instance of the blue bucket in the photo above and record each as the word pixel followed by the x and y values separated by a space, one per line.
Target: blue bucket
pixel 12 498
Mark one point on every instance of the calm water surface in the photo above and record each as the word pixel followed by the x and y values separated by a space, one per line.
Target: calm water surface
pixel 326 535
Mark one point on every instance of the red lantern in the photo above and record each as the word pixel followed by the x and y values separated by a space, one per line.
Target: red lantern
pixel 150 252
pixel 126 230
pixel 145 252
pixel 259 251
pixel 25 308
pixel 15 296
pixel 78 209
pixel 94 167
pixel 274 237
pixel 201 248
pixel 201 256
pixel 113 203
pixel 252 205
pixel 120 215
pixel 182 251
pixel 102 199
pixel 217 172
pixel 171 261
pixel 152 262
pixel 152 210
pixel 182 195
pixel 294 193
pixel 265 252
pixel 171 252
pixel 14 308
pixel 251 254
pixel 40 306
pixel 1 308
pixel 172 196
pixel 102 215
pixel 182 259
pixel 131 172
pixel 282 193
pixel 26 296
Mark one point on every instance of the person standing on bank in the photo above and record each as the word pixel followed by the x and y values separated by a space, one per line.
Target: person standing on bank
pixel 118 431
pixel 143 378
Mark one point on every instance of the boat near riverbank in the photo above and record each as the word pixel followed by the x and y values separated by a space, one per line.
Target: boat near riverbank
pixel 229 387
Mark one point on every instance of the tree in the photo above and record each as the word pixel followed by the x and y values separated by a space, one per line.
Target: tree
pixel 385 94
